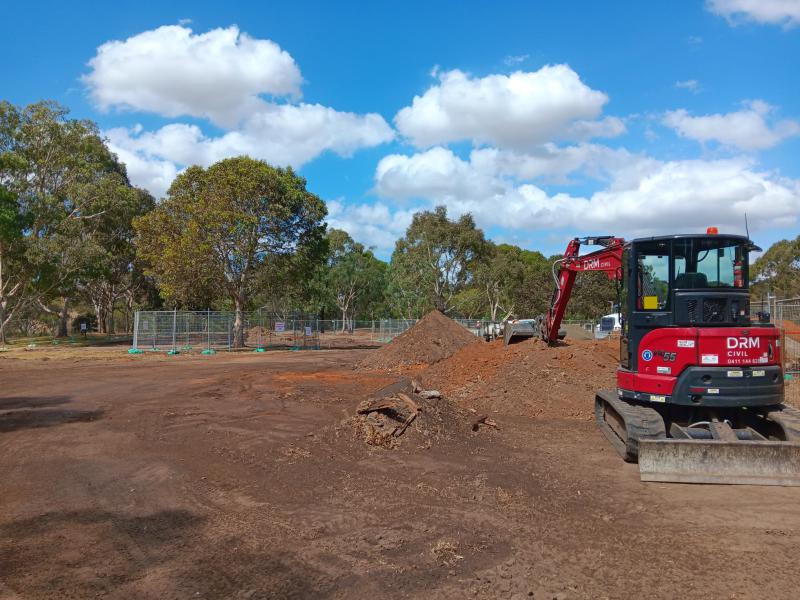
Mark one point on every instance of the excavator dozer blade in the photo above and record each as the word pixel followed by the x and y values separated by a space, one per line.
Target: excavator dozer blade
pixel 723 462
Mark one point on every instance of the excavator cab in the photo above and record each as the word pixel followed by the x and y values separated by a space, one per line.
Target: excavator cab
pixel 683 281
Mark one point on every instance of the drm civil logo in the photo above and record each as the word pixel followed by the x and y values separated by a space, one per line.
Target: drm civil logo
pixel 742 342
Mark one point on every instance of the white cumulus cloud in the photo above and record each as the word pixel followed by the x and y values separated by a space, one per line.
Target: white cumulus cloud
pixel 171 71
pixel 644 196
pixel 375 225
pixel 283 135
pixel 152 174
pixel 516 110
pixel 774 12
pixel 245 86
pixel 746 129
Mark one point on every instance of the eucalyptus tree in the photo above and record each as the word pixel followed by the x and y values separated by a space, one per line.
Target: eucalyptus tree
pixel 438 257
pixel 57 179
pixel 218 227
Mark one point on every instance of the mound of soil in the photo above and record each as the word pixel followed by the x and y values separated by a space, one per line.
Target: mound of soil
pixel 529 378
pixel 434 338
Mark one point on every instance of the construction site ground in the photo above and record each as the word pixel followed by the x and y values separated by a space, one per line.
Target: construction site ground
pixel 241 475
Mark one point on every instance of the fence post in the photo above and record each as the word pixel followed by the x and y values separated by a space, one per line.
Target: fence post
pixel 136 330
pixel 174 324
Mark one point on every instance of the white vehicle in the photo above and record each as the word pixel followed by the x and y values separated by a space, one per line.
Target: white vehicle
pixel 608 323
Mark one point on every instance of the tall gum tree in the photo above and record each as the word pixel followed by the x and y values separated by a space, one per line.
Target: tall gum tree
pixel 219 226
pixel 355 278
pixel 438 257
pixel 55 175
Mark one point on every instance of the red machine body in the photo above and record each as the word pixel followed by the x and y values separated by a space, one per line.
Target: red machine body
pixel 663 350
pixel 675 349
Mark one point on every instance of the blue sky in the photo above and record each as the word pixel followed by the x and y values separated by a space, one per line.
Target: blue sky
pixel 545 120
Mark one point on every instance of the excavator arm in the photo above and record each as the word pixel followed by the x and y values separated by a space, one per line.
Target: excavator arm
pixel 608 260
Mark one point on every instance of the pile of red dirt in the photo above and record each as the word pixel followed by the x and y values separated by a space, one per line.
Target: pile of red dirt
pixel 529 378
pixel 434 338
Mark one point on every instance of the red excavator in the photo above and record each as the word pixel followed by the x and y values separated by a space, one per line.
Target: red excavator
pixel 700 387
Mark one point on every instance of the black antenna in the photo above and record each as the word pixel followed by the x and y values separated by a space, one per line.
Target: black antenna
pixel 746 228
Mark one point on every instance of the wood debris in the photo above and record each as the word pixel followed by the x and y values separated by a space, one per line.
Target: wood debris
pixel 396 406
pixel 484 420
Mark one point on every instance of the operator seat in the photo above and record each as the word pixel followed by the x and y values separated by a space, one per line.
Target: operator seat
pixel 691 281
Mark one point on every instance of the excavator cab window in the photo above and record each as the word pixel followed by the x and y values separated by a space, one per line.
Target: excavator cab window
pixel 652 290
pixel 710 263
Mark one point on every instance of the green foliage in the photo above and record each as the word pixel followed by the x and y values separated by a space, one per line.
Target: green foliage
pixel 470 303
pixel 435 259
pixel 592 296
pixel 293 282
pixel 405 296
pixel 61 186
pixel 777 271
pixel 511 279
pixel 355 280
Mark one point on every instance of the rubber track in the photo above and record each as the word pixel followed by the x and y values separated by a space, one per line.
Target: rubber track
pixel 641 422
pixel 788 419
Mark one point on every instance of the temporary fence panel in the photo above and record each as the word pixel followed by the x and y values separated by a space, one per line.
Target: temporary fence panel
pixel 787 317
pixel 785 314
pixel 213 330
pixel 388 329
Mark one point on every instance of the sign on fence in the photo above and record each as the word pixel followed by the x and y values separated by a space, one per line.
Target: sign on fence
pixel 280 326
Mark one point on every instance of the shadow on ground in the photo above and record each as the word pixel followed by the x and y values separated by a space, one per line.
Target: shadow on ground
pixel 35 418
pixel 16 402
pixel 102 549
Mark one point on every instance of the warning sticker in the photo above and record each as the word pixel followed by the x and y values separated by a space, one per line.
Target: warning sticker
pixel 709 359
pixel 685 343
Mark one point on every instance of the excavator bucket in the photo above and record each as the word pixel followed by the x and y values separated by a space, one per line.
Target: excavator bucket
pixel 720 461
pixel 516 331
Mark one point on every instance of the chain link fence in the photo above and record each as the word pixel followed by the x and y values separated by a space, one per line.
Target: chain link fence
pixel 787 317
pixel 350 333
pixel 208 331
pixel 785 314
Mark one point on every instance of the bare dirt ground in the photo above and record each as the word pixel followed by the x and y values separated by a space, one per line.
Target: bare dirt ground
pixel 238 476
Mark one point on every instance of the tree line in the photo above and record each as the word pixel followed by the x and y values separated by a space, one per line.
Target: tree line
pixel 77 239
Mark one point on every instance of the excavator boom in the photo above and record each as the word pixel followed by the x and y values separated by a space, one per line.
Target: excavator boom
pixel 566 269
